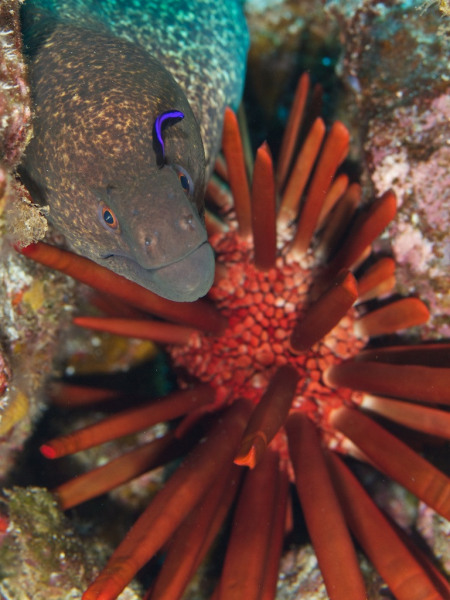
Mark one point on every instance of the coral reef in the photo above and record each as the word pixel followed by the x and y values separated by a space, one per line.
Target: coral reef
pixel 396 64
pixel 34 304
pixel 401 116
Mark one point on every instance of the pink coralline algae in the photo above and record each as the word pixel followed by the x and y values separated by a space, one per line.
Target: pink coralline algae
pixel 15 109
pixel 396 62
pixel 419 172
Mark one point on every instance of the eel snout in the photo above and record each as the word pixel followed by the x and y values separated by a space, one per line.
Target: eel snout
pixel 167 235
pixel 183 280
pixel 189 278
pixel 167 247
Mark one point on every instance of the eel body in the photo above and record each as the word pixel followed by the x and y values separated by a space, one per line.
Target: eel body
pixel 128 103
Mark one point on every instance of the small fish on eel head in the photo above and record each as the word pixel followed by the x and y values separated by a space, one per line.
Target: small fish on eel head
pixel 117 154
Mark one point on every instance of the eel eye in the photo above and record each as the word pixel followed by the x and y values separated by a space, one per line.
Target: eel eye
pixel 110 218
pixel 184 182
pixel 185 179
pixel 107 218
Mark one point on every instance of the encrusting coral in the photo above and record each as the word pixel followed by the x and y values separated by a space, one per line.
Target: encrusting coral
pixel 42 559
pixel 14 93
pixel 34 303
pixel 283 370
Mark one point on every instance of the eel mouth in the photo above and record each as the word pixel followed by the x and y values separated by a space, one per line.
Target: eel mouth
pixel 184 280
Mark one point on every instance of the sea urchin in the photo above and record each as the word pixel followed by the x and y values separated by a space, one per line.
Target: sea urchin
pixel 277 368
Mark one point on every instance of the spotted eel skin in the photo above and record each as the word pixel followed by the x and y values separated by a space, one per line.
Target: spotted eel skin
pixel 128 110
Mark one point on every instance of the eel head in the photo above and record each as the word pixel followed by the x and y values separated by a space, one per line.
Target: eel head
pixel 118 157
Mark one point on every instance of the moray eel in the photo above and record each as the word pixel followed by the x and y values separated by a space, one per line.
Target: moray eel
pixel 128 109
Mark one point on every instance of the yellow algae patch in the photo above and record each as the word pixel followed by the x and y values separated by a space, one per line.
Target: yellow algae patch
pixel 108 353
pixel 35 296
pixel 16 410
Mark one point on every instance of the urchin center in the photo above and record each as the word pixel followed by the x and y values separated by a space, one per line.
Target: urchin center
pixel 262 308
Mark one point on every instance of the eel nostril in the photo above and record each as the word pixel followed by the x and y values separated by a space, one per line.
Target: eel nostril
pixel 187 222
pixel 151 241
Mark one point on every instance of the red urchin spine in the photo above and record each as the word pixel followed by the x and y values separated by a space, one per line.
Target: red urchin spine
pixel 327 528
pixel 173 503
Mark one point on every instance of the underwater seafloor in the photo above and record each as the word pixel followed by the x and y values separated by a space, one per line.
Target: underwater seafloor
pixel 384 71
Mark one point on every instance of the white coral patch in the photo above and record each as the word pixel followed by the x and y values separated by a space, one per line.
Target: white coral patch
pixel 393 173
pixel 411 247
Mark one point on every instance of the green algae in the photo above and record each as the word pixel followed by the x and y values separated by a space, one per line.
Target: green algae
pixel 41 557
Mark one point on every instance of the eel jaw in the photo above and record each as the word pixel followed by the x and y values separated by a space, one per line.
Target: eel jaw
pixel 184 280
